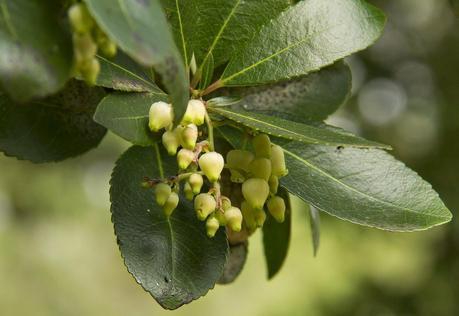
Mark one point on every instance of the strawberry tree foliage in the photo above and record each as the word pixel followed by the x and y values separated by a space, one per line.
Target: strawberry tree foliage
pixel 224 103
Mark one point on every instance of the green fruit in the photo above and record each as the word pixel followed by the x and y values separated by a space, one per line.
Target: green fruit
pixel 160 116
pixel 278 161
pixel 238 160
pixel 196 181
pixel 260 168
pixel 204 204
pixel 273 184
pixel 188 191
pixel 171 141
pixel 233 217
pixel 80 19
pixel 184 158
pixel 162 192
pixel 90 71
pixel 276 207
pixel 171 204
pixel 195 113
pixel 262 146
pixel 212 225
pixel 212 164
pixel 189 136
pixel 255 192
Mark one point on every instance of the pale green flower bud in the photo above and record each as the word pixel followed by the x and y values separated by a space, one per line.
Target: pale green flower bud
pixel 188 191
pixel 162 192
pixel 220 216
pixel 212 164
pixel 195 113
pixel 161 116
pixel 273 184
pixel 90 71
pixel 171 204
pixel 189 136
pixel 276 207
pixel 278 161
pixel 80 19
pixel 226 203
pixel 260 168
pixel 260 217
pixel 184 158
pixel 212 226
pixel 108 48
pixel 238 160
pixel 233 218
pixel 171 141
pixel 255 191
pixel 196 181
pixel 85 47
pixel 262 146
pixel 204 204
pixel 249 216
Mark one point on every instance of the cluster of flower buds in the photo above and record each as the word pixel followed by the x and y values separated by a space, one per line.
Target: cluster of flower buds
pixel 87 39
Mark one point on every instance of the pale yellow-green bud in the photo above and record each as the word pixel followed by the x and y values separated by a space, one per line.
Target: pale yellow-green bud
pixel 273 184
pixel 196 181
pixel 260 217
pixel 212 226
pixel 278 161
pixel 204 204
pixel 162 192
pixel 90 71
pixel 184 158
pixel 171 204
pixel 260 168
pixel 188 191
pixel 226 203
pixel 80 19
pixel 160 116
pixel 195 113
pixel 220 216
pixel 108 48
pixel 238 160
pixel 276 207
pixel 212 164
pixel 85 47
pixel 262 146
pixel 171 141
pixel 233 218
pixel 255 191
pixel 189 136
pixel 249 216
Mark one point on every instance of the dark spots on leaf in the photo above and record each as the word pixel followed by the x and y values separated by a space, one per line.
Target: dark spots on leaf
pixel 167 279
pixel 339 149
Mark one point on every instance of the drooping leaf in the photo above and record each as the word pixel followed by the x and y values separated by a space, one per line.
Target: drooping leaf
pixel 126 115
pixel 51 129
pixel 311 134
pixel 171 258
pixel 308 36
pixel 276 237
pixel 35 50
pixel 314 221
pixel 140 28
pixel 235 263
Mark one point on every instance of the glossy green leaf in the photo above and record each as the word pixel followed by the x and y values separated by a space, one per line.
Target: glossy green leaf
pixel 207 73
pixel 235 263
pixel 126 115
pixel 51 129
pixel 140 28
pixel 171 258
pixel 314 221
pixel 276 237
pixel 35 50
pixel 308 36
pixel 311 134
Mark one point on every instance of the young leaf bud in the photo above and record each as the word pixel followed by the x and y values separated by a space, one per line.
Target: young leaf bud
pixel 171 204
pixel 233 218
pixel 162 192
pixel 260 168
pixel 184 158
pixel 262 146
pixel 85 47
pixel 171 141
pixel 195 113
pixel 260 217
pixel 249 216
pixel 188 191
pixel 212 164
pixel 90 70
pixel 278 161
pixel 212 225
pixel 80 19
pixel 273 184
pixel 189 136
pixel 255 192
pixel 238 160
pixel 196 181
pixel 160 116
pixel 276 207
pixel 204 204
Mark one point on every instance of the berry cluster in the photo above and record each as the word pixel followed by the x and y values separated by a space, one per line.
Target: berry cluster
pixel 255 174
pixel 87 39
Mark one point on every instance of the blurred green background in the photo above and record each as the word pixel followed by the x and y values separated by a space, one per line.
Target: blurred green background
pixel 59 256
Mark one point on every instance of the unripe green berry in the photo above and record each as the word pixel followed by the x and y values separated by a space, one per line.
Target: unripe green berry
pixel 260 168
pixel 260 217
pixel 278 161
pixel 189 136
pixel 273 184
pixel 238 160
pixel 204 204
pixel 195 113
pixel 171 141
pixel 212 164
pixel 162 192
pixel 276 207
pixel 196 181
pixel 255 191
pixel 160 116
pixel 262 146
pixel 249 216
pixel 85 47
pixel 233 218
pixel 171 204
pixel 184 158
pixel 212 225
pixel 80 19
pixel 90 71
pixel 188 191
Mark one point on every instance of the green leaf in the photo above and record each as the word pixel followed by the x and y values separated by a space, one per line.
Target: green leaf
pixel 279 127
pixel 276 237
pixel 207 73
pixel 455 6
pixel 235 263
pixel 171 258
pixel 140 28
pixel 308 36
pixel 364 186
pixel 313 97
pixel 126 115
pixel 124 74
pixel 35 50
pixel 314 221
pixel 51 129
